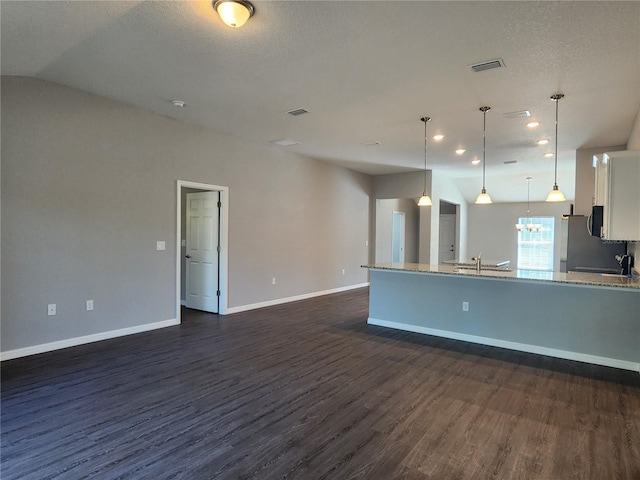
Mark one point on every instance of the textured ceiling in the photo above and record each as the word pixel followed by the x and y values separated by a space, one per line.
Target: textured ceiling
pixel 365 71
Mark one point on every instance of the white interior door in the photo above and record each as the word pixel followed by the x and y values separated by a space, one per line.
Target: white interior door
pixel 397 237
pixel 202 251
pixel 447 238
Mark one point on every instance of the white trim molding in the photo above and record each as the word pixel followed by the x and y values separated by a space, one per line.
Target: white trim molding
pixel 523 347
pixel 96 337
pixel 279 301
pixel 224 243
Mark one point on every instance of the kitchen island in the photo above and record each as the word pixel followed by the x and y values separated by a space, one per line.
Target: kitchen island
pixel 578 316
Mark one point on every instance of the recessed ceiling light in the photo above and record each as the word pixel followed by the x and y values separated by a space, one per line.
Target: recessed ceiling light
pixel 285 142
pixel 178 103
pixel 542 141
pixel 460 151
pixel 475 161
pixel 548 155
pixel 533 124
pixel 438 137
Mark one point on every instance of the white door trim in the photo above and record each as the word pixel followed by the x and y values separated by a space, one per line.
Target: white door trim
pixel 224 242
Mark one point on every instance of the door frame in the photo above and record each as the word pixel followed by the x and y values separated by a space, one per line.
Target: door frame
pixel 224 242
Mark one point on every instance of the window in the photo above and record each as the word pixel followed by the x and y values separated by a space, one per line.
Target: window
pixel 535 248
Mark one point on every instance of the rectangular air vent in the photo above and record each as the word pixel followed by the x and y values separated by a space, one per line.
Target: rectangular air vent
pixel 518 114
pixel 297 111
pixel 285 142
pixel 509 162
pixel 488 65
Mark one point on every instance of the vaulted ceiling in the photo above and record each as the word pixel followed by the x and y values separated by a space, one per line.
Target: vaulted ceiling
pixel 366 71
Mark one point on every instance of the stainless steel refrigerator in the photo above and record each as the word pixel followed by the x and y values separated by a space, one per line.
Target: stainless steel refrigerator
pixel 581 252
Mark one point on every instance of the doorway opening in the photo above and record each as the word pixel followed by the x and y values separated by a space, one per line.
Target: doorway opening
pixel 204 243
pixel 448 243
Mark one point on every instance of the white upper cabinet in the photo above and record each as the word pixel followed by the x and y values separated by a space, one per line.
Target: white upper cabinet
pixel 617 189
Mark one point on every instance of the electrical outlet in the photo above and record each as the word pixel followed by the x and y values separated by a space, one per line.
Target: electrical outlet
pixel 161 245
pixel 273 281
pixel 51 309
pixel 89 305
pixel 343 271
pixel 465 306
pixel 366 243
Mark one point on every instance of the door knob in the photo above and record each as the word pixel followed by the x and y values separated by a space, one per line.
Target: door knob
pixel 188 256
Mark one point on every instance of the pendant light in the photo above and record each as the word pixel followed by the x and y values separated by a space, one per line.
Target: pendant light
pixel 484 198
pixel 234 13
pixel 555 195
pixel 528 226
pixel 425 200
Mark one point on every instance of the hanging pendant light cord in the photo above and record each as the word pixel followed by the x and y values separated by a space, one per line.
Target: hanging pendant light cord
pixel 425 155
pixel 484 146
pixel 556 98
pixel 555 177
pixel 425 120
pixel 484 111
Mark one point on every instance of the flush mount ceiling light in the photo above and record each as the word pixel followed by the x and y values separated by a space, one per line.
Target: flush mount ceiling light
pixel 528 225
pixel 438 137
pixel 548 155
pixel 533 124
pixel 460 151
pixel 542 141
pixel 555 195
pixel 475 161
pixel 425 200
pixel 234 13
pixel 484 198
pixel 178 103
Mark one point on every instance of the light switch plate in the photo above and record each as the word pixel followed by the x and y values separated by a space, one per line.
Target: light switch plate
pixel 51 309
pixel 183 242
pixel 89 305
pixel 160 245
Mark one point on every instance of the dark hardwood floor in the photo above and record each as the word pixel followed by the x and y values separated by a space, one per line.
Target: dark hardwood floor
pixel 309 391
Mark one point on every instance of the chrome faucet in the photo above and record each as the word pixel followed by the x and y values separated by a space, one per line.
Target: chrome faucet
pixel 478 262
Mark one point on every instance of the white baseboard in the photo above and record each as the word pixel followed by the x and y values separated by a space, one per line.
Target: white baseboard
pixel 523 347
pixel 279 301
pixel 96 337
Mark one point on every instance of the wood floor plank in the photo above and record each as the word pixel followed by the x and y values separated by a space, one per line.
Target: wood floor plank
pixel 308 390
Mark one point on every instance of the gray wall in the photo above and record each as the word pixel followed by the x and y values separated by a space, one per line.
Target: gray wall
pixel 492 229
pixel 89 186
pixel 384 215
pixel 583 320
pixel 439 187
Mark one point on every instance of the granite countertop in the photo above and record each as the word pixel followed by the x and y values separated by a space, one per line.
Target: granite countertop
pixel 578 278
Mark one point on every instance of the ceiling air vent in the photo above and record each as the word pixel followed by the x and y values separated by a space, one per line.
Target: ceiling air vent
pixel 518 114
pixel 285 142
pixel 297 111
pixel 510 162
pixel 489 65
